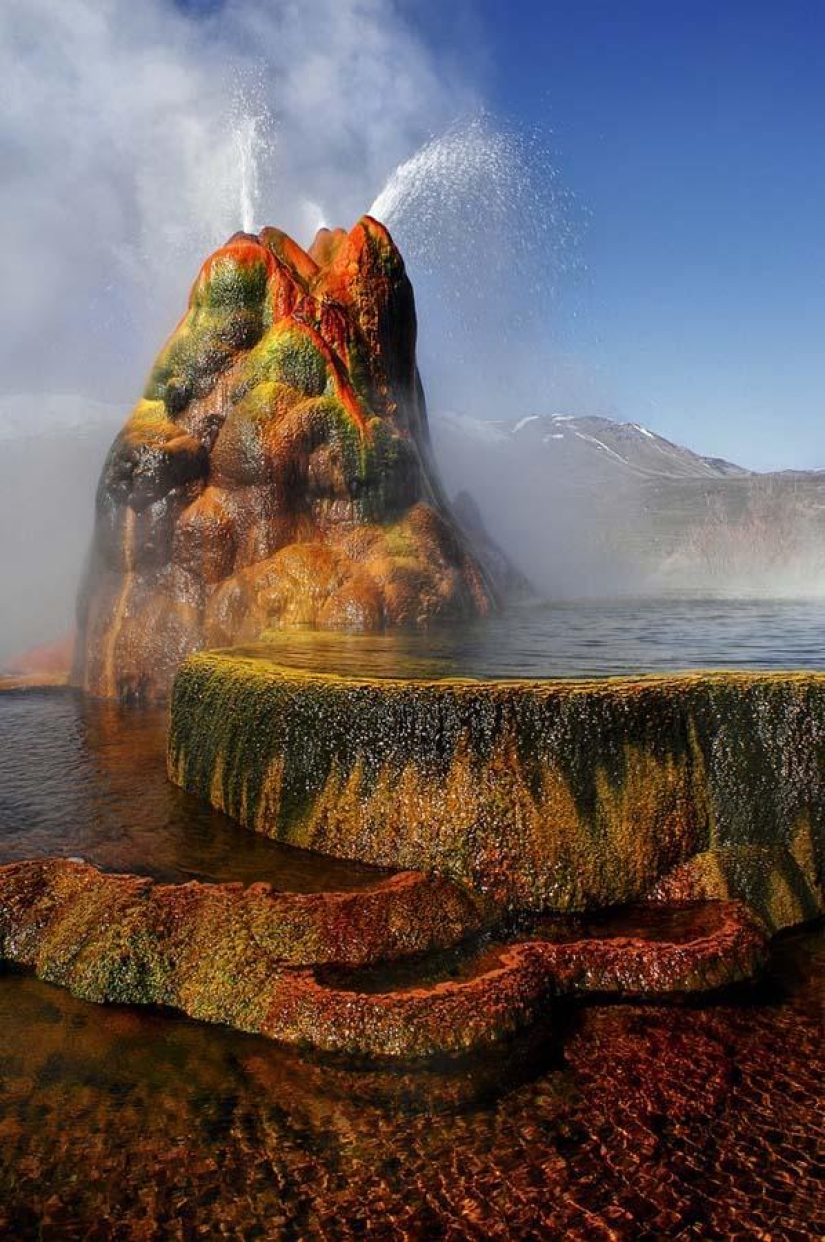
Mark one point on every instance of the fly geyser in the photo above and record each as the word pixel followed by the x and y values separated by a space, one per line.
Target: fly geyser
pixel 277 475
pixel 276 471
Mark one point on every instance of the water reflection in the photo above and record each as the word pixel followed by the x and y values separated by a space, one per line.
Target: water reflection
pixel 589 639
pixel 86 777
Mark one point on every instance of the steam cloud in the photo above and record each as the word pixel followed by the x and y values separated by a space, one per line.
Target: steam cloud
pixel 135 137
pixel 122 133
pixel 119 143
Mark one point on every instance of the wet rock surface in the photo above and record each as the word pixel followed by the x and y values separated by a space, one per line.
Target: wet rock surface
pixel 277 470
pixel 700 1121
pixel 544 795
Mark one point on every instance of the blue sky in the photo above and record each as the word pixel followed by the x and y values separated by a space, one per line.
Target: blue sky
pixel 694 134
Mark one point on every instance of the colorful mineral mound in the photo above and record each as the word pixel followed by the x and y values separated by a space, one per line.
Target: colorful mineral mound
pixel 277 471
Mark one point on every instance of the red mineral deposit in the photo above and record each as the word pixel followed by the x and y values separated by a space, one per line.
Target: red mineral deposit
pixel 276 473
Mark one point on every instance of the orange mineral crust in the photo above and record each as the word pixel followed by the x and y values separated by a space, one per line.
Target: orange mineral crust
pixel 297 967
pixel 276 472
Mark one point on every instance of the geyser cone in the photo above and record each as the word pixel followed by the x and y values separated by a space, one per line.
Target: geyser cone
pixel 276 471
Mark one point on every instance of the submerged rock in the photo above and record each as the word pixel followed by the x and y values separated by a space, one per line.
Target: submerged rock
pixel 277 470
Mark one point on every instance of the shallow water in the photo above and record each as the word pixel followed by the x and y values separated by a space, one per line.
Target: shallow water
pixel 687 922
pixel 623 1121
pixel 587 639
pixel 87 778
pixel 611 1120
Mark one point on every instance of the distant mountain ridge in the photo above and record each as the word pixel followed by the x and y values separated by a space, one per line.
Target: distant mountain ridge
pixel 588 439
pixel 587 505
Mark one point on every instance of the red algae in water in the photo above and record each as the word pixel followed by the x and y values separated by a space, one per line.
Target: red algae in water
pixel 698 1121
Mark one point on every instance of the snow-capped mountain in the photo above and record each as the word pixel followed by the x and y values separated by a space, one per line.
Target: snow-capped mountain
pixel 587 505
pixel 585 442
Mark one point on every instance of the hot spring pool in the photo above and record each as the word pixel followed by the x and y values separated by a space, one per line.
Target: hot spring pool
pixel 584 639
pixel 625 1120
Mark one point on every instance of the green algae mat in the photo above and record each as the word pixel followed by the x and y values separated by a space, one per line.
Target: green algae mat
pixel 543 795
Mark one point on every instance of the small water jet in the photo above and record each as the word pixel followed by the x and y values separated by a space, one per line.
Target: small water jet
pixel 252 145
pixel 247 141
pixel 491 236
pixel 481 187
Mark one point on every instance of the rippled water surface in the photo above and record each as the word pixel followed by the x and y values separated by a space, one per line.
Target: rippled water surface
pixel 590 639
pixel 614 1121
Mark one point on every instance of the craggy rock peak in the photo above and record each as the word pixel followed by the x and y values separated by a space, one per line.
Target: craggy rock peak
pixel 276 472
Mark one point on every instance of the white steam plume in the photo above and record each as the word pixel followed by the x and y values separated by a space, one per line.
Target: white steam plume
pixel 120 128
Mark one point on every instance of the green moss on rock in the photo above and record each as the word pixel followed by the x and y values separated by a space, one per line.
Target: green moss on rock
pixel 556 795
pixel 229 284
pixel 288 356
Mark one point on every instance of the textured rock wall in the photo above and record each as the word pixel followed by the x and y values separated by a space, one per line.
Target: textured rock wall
pixel 277 470
pixel 545 796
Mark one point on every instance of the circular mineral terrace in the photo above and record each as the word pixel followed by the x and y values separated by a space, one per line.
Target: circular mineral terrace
pixel 541 795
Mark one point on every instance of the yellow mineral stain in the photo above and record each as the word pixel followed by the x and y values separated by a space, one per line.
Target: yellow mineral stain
pixel 803 847
pixel 269 804
pixel 119 613
pixel 216 784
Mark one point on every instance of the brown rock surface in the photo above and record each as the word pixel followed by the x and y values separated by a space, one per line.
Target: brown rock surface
pixel 292 966
pixel 277 471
